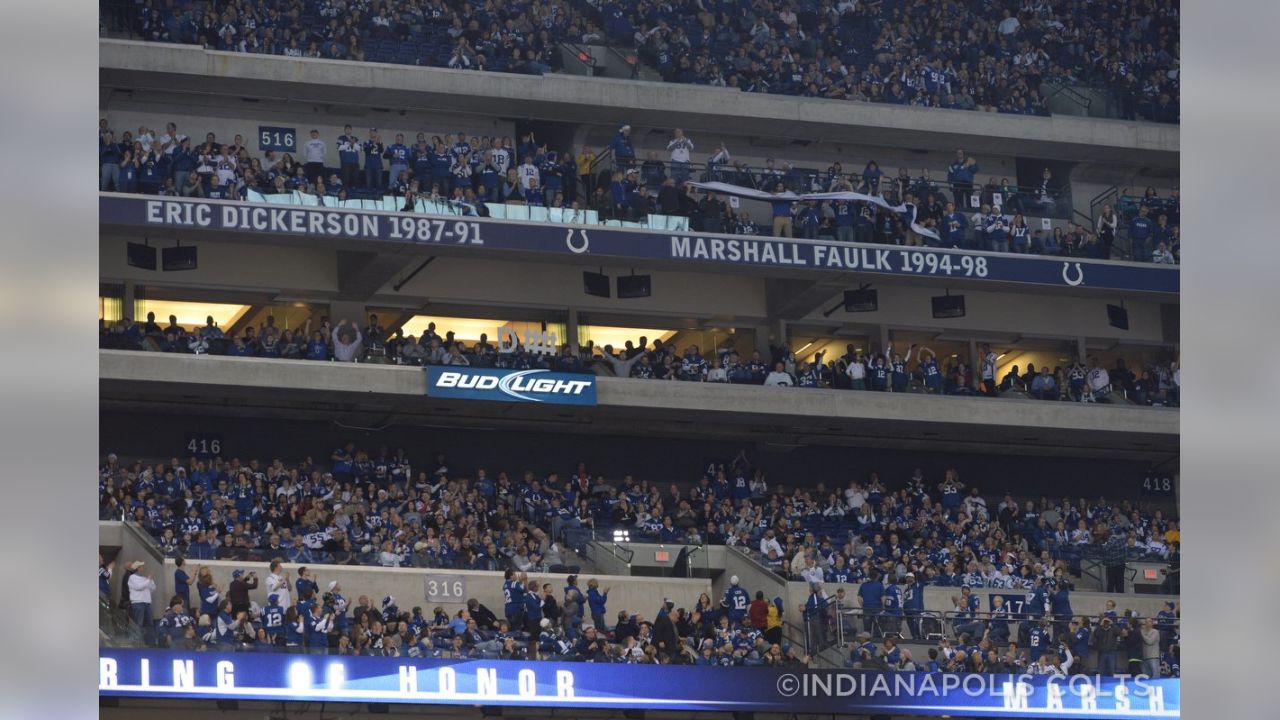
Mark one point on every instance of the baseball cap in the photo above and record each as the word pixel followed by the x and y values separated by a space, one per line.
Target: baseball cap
pixel 624 127
pixel 273 598
pixel 332 584
pixel 237 573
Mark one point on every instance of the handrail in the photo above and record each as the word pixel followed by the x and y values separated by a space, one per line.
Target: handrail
pixel 693 550
pixel 605 154
pixel 578 54
pixel 635 65
pixel 1080 99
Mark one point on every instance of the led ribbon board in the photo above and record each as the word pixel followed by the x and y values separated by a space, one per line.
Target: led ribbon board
pixel 279 676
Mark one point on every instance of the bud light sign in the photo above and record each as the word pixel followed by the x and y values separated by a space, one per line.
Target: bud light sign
pixel 539 386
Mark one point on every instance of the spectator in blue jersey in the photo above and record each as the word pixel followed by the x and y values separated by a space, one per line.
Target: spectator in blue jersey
pixel 374 151
pixel 1141 231
pixel 736 602
pixel 871 600
pixel 624 153
pixel 781 213
pixel 127 175
pixel 104 576
pixel 997 230
pixel 398 155
pixel 109 158
pixel 349 157
pixel 961 174
pixel 816 615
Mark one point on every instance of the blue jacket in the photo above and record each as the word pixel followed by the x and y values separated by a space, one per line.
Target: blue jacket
pixel 596 601
pixel 621 146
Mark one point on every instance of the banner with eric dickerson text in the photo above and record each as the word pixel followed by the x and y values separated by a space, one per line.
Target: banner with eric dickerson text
pixel 269 676
pixel 485 236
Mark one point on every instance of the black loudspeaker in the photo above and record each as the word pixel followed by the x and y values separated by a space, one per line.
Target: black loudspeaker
pixel 861 301
pixel 634 286
pixel 1117 317
pixel 179 258
pixel 948 306
pixel 141 256
pixel 595 284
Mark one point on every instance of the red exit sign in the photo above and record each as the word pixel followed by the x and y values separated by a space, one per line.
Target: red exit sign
pixel 661 555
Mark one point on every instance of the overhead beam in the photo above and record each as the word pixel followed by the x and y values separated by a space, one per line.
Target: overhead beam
pixel 795 299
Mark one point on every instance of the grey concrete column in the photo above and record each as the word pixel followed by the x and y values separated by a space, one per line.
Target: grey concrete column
pixel 571 327
pixel 974 367
pixel 352 311
pixel 129 301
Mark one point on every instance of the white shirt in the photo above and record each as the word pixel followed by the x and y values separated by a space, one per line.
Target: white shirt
pixel 1098 379
pixel 812 574
pixel 779 379
pixel 975 504
pixel 854 499
pixel 857 370
pixel 767 544
pixel 140 587
pixel 278 585
pixel 989 366
pixel 680 148
pixel 528 175
pixel 313 151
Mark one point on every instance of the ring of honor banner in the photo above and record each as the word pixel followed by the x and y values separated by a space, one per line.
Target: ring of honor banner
pixel 279 676
pixel 486 236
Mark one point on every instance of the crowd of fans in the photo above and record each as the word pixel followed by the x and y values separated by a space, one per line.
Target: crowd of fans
pixel 377 508
pixel 538 621
pixel 1037 640
pixel 917 369
pixel 992 56
pixel 472 173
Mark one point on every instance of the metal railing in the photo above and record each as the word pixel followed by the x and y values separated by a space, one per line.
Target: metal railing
pixel 578 57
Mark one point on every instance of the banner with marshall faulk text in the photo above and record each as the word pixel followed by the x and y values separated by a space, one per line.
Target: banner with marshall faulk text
pixel 272 676
pixel 230 221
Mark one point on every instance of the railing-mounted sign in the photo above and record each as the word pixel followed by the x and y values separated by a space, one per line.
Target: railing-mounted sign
pixel 533 385
pixel 483 235
pixel 537 342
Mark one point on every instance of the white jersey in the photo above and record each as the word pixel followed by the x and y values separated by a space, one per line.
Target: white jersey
pixel 225 166
pixel 1099 379
pixel 313 151
pixel 278 585
pixel 501 160
pixel 989 366
pixel 529 176
pixel 680 148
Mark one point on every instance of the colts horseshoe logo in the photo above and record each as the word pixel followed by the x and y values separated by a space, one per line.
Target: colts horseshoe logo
pixel 1066 275
pixel 568 241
